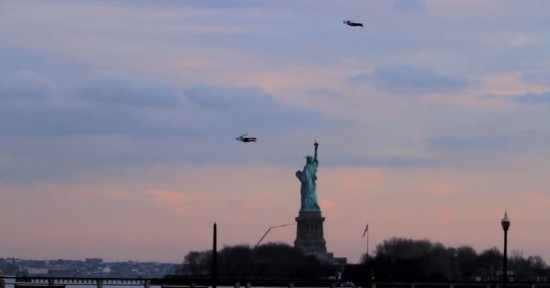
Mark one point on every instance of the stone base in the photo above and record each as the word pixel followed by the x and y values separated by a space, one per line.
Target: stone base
pixel 309 232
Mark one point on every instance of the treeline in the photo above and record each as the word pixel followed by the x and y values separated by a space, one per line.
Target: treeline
pixel 271 260
pixel 396 259
pixel 400 259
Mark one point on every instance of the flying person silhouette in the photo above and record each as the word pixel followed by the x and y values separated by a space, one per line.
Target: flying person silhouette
pixel 243 138
pixel 353 24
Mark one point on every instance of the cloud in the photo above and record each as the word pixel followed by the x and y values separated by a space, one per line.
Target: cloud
pixel 408 5
pixel 108 103
pixel 40 67
pixel 226 97
pixel 396 160
pixel 411 80
pixel 121 89
pixel 326 204
pixel 470 143
pixel 204 4
pixel 23 85
pixel 172 200
pixel 52 121
pixel 323 93
pixel 533 98
pixel 252 109
pixel 441 189
pixel 537 77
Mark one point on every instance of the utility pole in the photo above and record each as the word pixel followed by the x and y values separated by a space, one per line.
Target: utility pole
pixel 214 258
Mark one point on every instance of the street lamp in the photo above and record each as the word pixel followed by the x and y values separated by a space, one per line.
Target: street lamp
pixel 505 225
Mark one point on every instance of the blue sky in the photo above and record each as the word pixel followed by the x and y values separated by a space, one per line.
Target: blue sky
pixel 433 119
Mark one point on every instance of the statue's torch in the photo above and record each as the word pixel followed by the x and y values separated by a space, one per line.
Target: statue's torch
pixel 316 144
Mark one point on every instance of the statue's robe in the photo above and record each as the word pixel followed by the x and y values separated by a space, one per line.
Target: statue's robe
pixel 308 178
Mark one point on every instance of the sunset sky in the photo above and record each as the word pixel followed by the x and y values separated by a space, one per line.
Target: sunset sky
pixel 118 122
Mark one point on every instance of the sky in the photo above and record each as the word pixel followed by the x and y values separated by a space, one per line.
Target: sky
pixel 118 122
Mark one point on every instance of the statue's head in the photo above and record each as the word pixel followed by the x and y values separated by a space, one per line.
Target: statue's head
pixel 309 159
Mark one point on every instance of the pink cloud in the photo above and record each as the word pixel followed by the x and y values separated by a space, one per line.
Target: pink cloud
pixel 168 198
pixel 326 204
pixel 352 179
pixel 441 189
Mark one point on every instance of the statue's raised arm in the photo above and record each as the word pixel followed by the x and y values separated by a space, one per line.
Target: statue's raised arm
pixel 316 144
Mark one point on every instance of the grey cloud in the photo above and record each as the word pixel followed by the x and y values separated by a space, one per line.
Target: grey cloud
pixel 537 78
pixel 241 107
pixel 533 98
pixel 56 69
pixel 16 60
pixel 52 121
pixel 229 97
pixel 204 4
pixel 120 89
pixel 119 106
pixel 324 93
pixel 396 161
pixel 23 85
pixel 408 5
pixel 470 143
pixel 412 80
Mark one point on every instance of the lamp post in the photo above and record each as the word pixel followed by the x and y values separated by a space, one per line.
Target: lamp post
pixel 505 225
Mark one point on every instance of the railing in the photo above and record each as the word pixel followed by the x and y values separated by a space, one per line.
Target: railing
pixel 38 282
pixel 61 282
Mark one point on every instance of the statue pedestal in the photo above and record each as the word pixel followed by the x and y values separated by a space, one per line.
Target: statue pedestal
pixel 309 232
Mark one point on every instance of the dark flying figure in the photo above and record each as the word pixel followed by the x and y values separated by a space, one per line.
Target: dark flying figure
pixel 243 138
pixel 353 24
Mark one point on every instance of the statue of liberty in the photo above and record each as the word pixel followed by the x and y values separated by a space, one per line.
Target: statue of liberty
pixel 308 178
